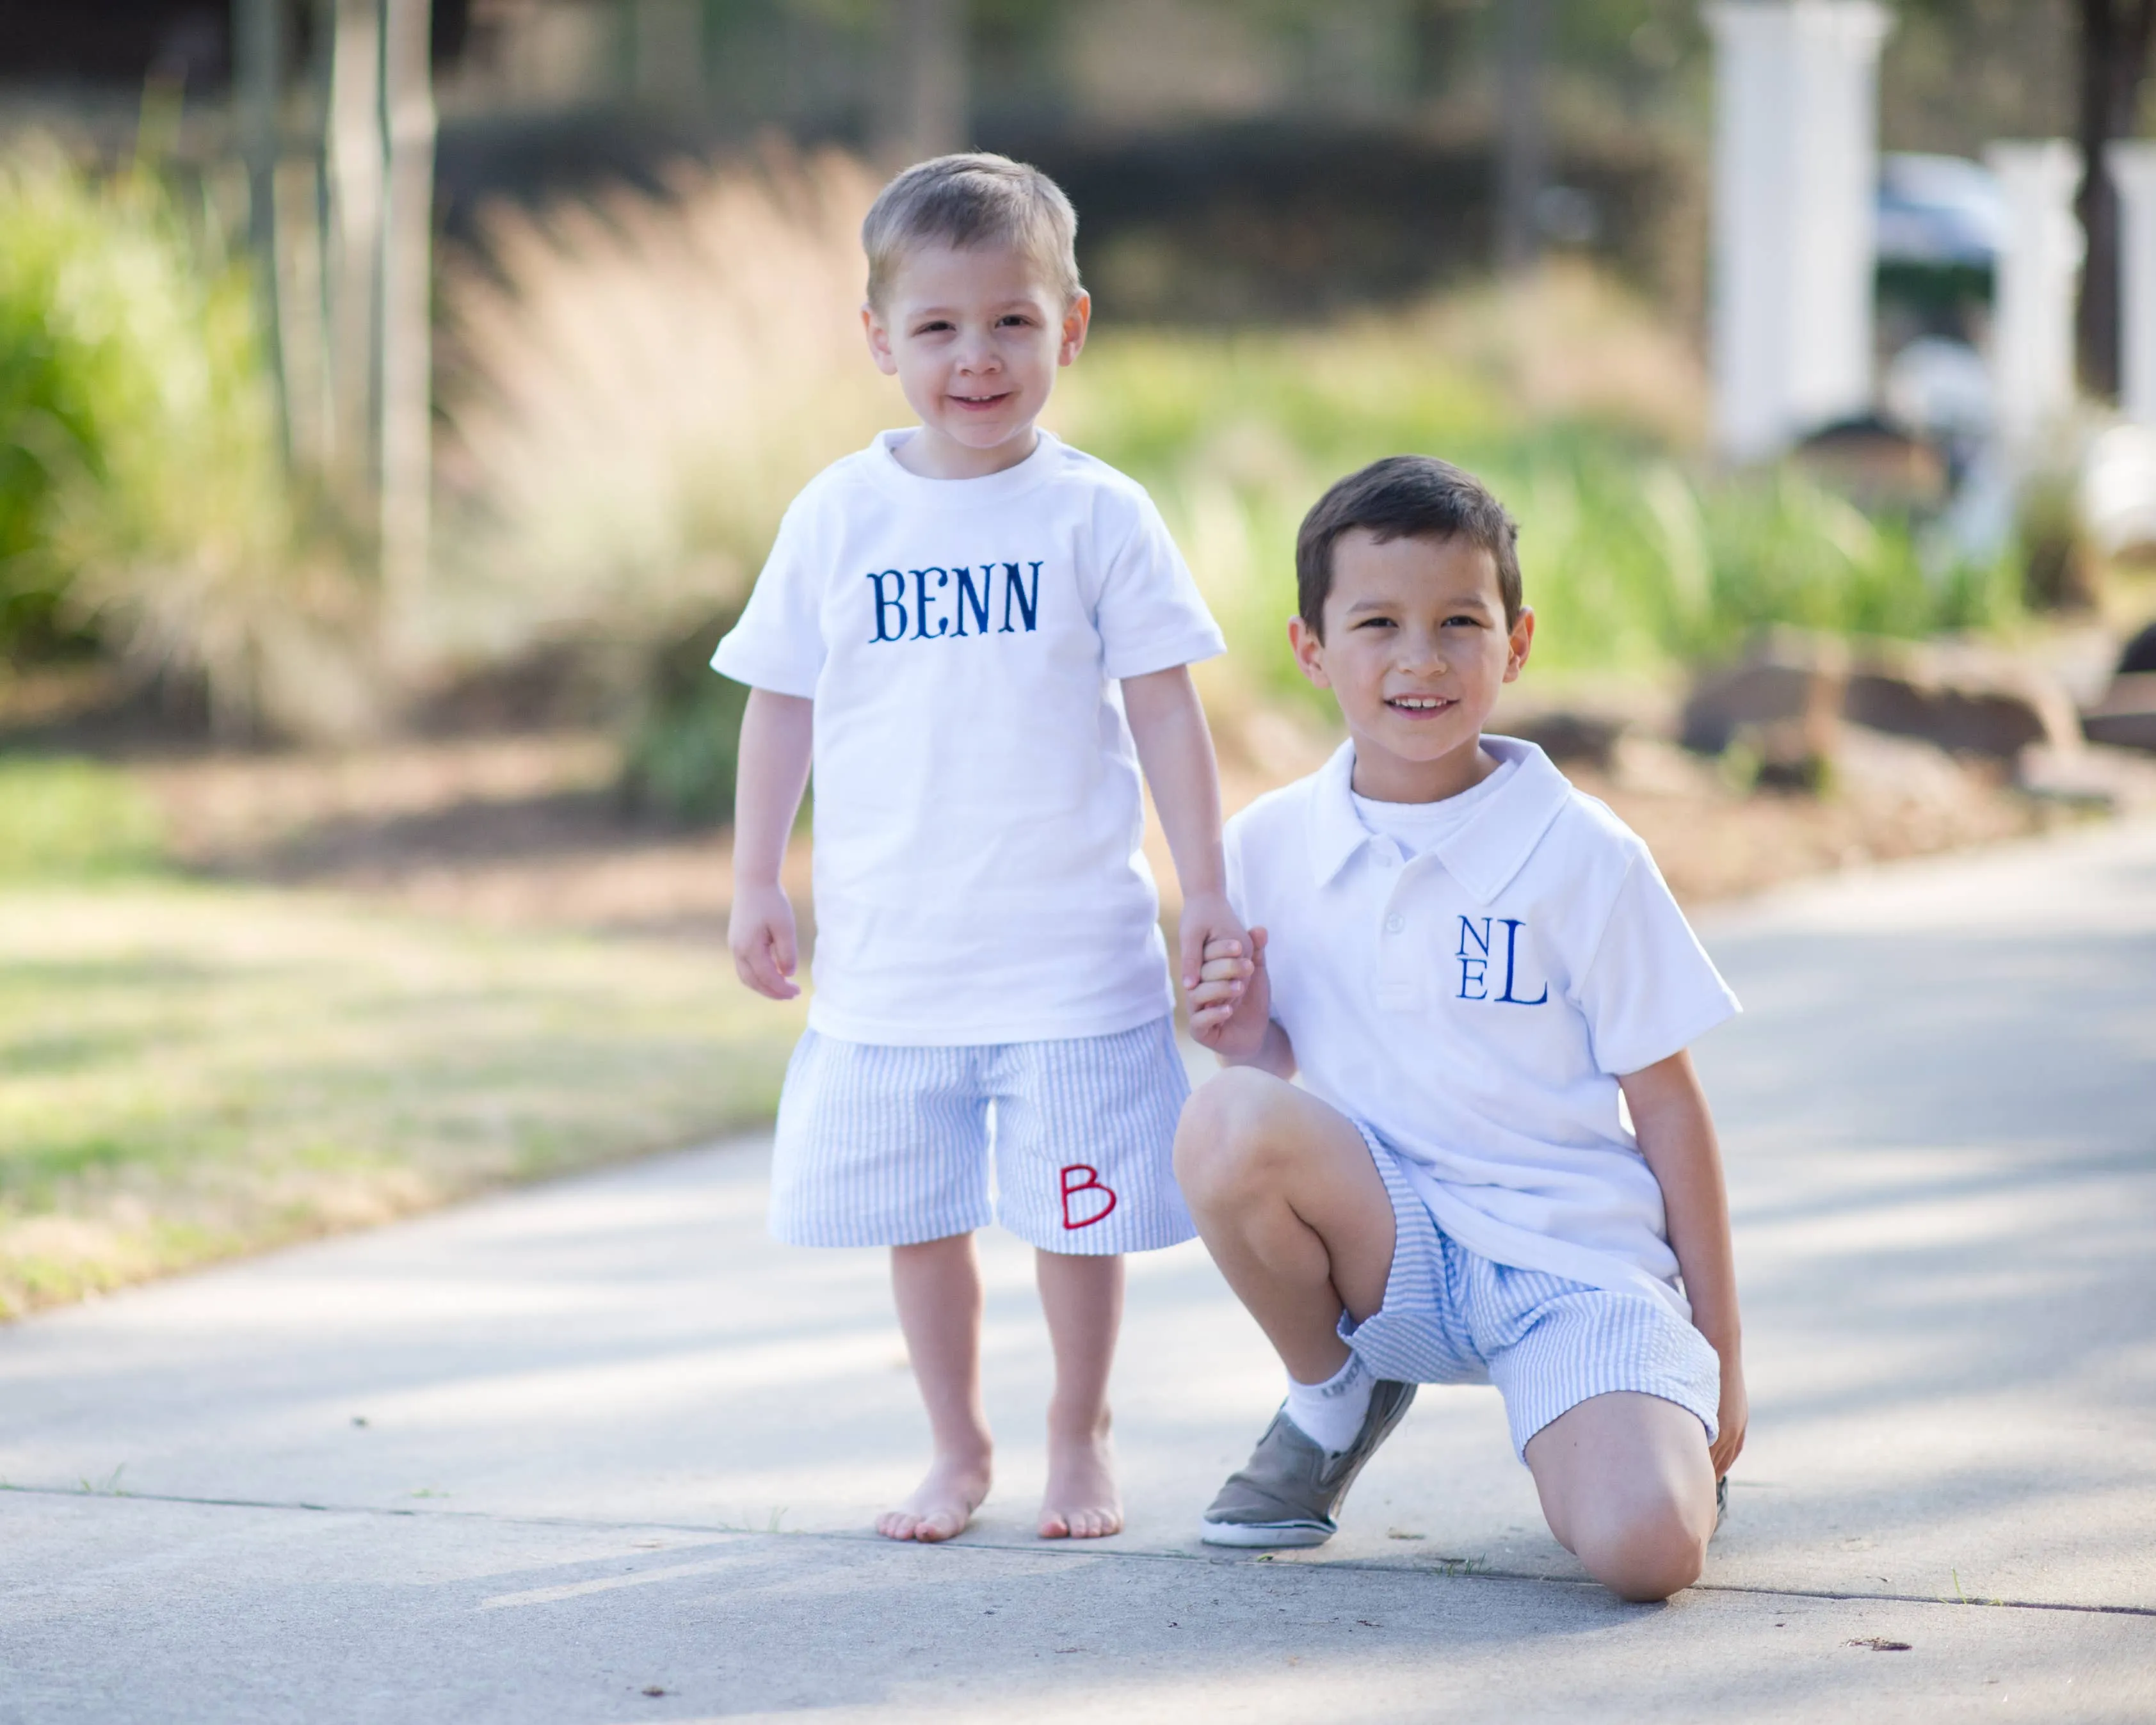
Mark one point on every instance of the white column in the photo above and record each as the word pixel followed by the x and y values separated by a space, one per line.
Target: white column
pixel 1795 178
pixel 2032 314
pixel 2132 170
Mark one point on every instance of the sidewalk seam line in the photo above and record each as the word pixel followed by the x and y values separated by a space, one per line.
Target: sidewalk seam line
pixel 1057 1548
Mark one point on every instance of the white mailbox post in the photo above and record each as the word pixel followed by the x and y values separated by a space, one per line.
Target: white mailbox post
pixel 2032 319
pixel 1795 178
pixel 2132 170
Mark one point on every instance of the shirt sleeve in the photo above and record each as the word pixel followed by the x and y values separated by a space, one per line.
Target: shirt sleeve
pixel 1152 617
pixel 778 642
pixel 1231 855
pixel 1650 990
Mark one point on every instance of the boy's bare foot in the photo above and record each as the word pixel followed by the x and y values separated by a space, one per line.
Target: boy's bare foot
pixel 942 1505
pixel 1081 1502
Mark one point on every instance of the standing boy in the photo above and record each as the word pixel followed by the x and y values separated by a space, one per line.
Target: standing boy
pixel 979 635
pixel 1499 1167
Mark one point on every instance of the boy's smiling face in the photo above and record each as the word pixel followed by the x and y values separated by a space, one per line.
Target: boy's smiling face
pixel 1415 649
pixel 974 338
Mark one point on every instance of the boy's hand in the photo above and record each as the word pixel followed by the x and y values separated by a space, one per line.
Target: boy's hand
pixel 1207 917
pixel 760 931
pixel 1231 1007
pixel 1730 1419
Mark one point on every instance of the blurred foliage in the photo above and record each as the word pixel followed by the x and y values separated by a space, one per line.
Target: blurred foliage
pixel 74 819
pixel 1569 402
pixel 679 760
pixel 144 500
pixel 635 390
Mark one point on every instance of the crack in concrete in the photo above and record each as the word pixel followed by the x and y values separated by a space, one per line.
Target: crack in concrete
pixel 1445 1569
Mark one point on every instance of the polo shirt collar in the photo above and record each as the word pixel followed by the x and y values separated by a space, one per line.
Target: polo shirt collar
pixel 1484 853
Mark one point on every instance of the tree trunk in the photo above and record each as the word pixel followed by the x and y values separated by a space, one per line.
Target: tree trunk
pixel 355 162
pixel 2114 56
pixel 407 375
pixel 1523 144
pixel 926 102
pixel 258 87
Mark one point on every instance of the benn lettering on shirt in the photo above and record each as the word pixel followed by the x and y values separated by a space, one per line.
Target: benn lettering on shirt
pixel 932 599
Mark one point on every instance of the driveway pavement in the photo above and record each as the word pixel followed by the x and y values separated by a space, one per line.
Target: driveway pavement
pixel 600 1451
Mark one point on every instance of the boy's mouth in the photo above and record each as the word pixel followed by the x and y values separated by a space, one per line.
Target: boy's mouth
pixel 1419 706
pixel 976 404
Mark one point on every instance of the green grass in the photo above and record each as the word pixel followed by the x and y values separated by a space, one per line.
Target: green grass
pixel 187 1072
pixel 63 817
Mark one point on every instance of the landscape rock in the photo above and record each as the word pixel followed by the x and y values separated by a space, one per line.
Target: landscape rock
pixel 1961 696
pixel 2126 716
pixel 1567 734
pixel 1789 677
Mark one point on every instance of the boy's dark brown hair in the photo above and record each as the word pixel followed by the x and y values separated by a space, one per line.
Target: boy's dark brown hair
pixel 1404 497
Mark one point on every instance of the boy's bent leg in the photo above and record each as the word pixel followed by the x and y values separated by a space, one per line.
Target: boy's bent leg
pixel 1292 1210
pixel 1628 1487
pixel 1083 1300
pixel 937 1284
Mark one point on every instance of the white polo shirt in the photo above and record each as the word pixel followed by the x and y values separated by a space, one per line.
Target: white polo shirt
pixel 978 810
pixel 1473 1003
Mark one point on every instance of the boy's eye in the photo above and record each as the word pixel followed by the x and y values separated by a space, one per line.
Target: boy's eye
pixel 1018 318
pixel 932 327
pixel 1464 622
pixel 1375 622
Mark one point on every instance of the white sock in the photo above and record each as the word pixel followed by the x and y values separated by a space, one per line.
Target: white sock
pixel 1330 1414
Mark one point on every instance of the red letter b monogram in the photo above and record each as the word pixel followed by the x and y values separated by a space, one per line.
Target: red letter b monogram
pixel 1086 1179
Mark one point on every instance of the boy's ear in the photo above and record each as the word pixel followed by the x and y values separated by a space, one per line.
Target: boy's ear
pixel 1076 320
pixel 1309 650
pixel 878 334
pixel 1522 643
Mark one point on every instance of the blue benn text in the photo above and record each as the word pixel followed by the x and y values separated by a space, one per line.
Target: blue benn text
pixel 935 603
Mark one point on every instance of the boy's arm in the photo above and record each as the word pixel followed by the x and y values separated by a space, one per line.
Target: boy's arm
pixel 1676 1135
pixel 771 773
pixel 1176 750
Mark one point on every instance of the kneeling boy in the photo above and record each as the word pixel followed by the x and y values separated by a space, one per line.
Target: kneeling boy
pixel 1480 974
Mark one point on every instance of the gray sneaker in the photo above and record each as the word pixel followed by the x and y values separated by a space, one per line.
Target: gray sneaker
pixel 1288 1490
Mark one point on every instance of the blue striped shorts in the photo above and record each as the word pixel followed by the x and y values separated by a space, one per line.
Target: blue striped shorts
pixel 891 1146
pixel 1451 1316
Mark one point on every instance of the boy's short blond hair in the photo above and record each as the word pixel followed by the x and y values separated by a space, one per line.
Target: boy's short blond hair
pixel 970 201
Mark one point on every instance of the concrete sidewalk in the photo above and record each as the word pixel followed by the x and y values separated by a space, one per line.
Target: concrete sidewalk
pixel 538 1458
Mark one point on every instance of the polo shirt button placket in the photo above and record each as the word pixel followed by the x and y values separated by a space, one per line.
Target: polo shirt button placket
pixel 1401 986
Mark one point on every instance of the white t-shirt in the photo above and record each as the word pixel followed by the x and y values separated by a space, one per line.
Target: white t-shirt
pixel 1475 1003
pixel 978 810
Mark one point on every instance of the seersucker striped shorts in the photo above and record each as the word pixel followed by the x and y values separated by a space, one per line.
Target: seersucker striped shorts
pixel 1451 1316
pixel 879 1145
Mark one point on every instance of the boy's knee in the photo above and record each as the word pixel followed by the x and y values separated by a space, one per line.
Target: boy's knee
pixel 1222 1141
pixel 1646 1551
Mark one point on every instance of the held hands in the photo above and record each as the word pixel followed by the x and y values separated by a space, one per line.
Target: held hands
pixel 760 931
pixel 1232 1004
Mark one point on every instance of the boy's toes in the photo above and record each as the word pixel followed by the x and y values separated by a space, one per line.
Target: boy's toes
pixel 1096 1522
pixel 934 1529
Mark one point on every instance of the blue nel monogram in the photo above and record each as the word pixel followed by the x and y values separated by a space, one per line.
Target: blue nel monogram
pixel 1475 958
